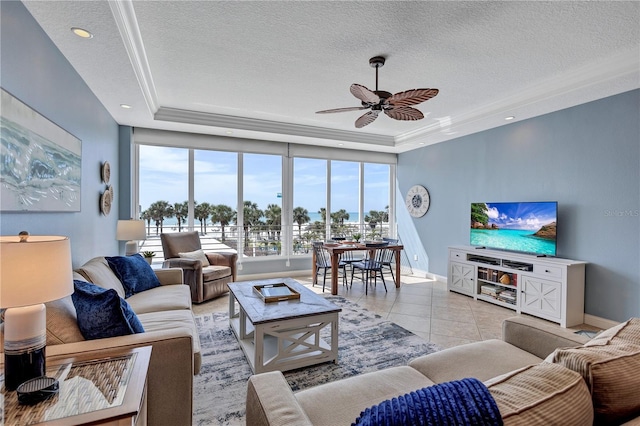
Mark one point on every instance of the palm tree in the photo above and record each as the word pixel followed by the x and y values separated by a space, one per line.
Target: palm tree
pixel 159 211
pixel 224 215
pixel 251 215
pixel 181 211
pixel 374 217
pixel 273 213
pixel 300 216
pixel 340 216
pixel 146 215
pixel 323 214
pixel 201 213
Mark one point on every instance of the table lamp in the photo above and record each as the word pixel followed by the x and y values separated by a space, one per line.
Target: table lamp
pixel 33 270
pixel 131 231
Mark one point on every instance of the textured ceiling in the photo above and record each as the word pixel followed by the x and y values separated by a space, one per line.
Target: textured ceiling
pixel 262 69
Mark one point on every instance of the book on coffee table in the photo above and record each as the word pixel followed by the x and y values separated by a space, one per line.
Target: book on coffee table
pixel 276 292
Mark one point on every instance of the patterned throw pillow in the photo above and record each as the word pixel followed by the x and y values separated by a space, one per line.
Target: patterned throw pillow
pixel 610 365
pixel 196 255
pixel 134 273
pixel 542 394
pixel 102 313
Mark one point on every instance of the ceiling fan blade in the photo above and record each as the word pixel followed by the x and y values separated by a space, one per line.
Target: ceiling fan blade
pixel 404 113
pixel 367 118
pixel 364 94
pixel 412 97
pixel 329 111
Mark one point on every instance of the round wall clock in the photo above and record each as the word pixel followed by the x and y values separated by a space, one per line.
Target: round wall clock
pixel 417 201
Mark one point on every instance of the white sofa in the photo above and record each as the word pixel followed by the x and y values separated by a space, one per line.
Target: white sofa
pixel 165 313
pixel 596 379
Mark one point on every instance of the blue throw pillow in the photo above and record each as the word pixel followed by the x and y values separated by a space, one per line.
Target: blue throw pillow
pixel 102 313
pixel 461 402
pixel 134 273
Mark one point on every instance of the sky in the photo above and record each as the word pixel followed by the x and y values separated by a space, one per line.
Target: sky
pixel 530 216
pixel 164 176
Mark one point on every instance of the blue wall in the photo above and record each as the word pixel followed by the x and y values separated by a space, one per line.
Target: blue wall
pixel 34 71
pixel 587 158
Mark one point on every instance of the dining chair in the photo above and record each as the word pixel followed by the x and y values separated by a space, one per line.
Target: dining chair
pixel 351 257
pixel 323 261
pixel 369 270
pixel 388 261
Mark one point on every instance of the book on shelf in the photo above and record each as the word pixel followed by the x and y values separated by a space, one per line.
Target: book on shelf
pixel 489 290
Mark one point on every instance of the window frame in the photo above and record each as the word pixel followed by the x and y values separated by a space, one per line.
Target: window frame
pixel 288 153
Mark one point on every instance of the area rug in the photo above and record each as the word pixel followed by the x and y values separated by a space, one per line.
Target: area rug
pixel 366 343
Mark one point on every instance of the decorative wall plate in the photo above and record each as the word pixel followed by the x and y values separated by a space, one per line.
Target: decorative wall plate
pixel 105 202
pixel 417 201
pixel 105 172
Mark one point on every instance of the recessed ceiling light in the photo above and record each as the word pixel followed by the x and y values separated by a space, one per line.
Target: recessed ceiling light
pixel 511 117
pixel 229 132
pixel 80 32
pixel 340 144
pixel 125 106
pixel 421 143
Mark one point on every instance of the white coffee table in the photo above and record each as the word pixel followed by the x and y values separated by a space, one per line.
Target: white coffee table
pixel 282 335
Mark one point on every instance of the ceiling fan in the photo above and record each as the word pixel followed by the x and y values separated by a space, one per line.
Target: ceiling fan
pixel 396 106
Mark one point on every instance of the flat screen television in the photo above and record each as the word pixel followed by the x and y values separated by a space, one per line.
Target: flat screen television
pixel 523 227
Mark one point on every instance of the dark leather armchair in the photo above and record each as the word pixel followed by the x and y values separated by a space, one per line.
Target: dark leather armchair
pixel 205 282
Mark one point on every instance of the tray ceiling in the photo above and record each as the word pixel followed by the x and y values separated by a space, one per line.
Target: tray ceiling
pixel 260 70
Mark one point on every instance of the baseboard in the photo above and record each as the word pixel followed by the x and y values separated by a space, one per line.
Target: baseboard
pixel 428 275
pixel 437 277
pixel 602 323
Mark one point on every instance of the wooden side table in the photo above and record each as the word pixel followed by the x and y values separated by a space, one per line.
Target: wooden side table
pixel 99 388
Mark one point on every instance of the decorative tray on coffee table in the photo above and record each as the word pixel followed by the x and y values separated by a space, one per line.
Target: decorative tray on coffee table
pixel 277 292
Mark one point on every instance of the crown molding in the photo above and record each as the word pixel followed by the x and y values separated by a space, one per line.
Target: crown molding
pixel 277 127
pixel 562 90
pixel 617 67
pixel 125 17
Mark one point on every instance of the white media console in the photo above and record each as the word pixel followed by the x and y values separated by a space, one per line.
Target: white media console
pixel 546 287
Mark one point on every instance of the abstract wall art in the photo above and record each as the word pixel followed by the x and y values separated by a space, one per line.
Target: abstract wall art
pixel 40 163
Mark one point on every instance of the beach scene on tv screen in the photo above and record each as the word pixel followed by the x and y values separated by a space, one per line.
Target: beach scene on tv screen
pixel 524 227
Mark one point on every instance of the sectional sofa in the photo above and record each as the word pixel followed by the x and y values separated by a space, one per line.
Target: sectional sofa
pixel 165 313
pixel 596 379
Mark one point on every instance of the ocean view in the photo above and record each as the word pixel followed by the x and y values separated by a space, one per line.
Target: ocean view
pixel 315 216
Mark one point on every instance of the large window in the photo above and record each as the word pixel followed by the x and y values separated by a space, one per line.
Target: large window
pixel 376 200
pixel 345 199
pixel 216 196
pixel 163 174
pixel 262 204
pixel 309 201
pixel 259 204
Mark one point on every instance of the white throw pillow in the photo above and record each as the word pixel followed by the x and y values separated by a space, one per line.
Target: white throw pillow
pixel 196 255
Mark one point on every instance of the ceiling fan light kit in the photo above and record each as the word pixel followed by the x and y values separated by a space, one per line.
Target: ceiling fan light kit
pixel 397 106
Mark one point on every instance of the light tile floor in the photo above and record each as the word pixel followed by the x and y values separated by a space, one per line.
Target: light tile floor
pixel 422 306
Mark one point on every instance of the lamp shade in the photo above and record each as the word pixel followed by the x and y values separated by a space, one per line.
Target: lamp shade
pixel 37 270
pixel 130 230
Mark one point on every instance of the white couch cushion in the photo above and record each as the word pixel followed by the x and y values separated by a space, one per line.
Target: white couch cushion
pixel 163 298
pixel 174 320
pixel 331 403
pixel 98 272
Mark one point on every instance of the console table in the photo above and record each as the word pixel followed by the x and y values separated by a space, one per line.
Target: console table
pixel 105 388
pixel 546 287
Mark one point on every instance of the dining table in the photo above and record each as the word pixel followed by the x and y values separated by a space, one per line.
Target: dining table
pixel 335 250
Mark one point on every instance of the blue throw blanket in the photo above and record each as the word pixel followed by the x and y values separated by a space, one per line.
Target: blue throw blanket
pixel 461 402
